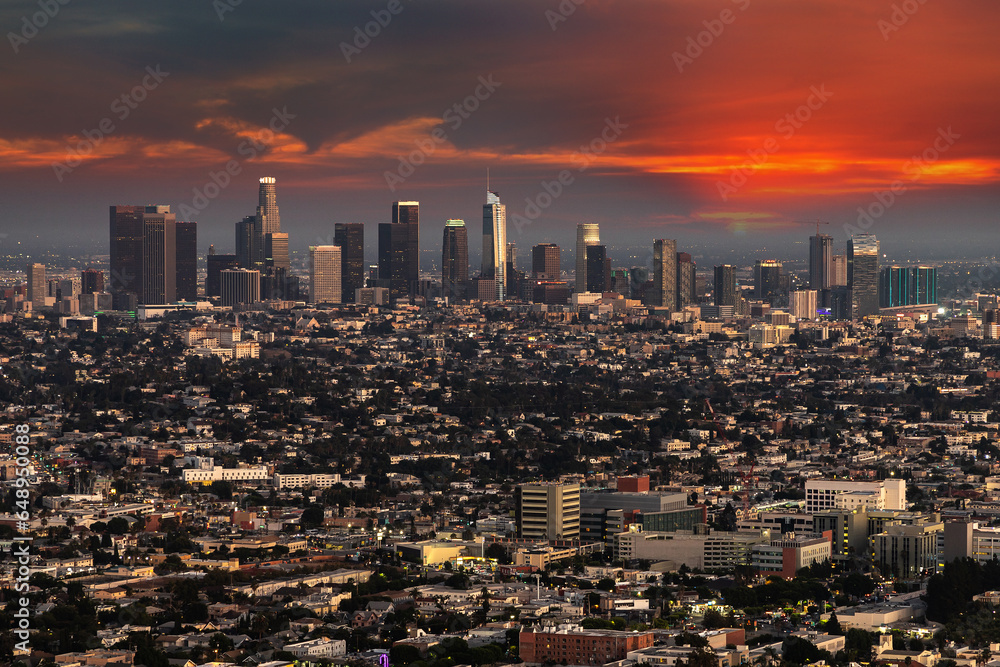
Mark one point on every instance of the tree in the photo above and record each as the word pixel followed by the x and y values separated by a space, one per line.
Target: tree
pixel 605 584
pixel 312 517
pixel 118 526
pixel 713 619
pixel 832 626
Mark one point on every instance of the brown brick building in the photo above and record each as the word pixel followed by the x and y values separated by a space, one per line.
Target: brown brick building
pixel 575 646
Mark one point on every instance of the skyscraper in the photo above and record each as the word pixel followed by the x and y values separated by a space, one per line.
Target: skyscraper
pixel 597 268
pixel 725 285
pixel 247 241
pixel 665 274
pixel 862 274
pixel 216 264
pixel 838 273
pixel 407 213
pixel 267 207
pixel 187 261
pixel 276 250
pixel 586 234
pixel 126 255
pixel 820 261
pixel 907 286
pixel 350 236
pixel 545 261
pixel 686 289
pixel 494 265
pixel 91 280
pixel 38 287
pixel 769 282
pixel 239 286
pixel 393 244
pixel 455 260
pixel 324 274
pixel 159 256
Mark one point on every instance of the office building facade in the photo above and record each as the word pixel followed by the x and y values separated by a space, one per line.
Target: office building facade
pixel 820 261
pixel 665 274
pixel 494 261
pixel 187 261
pixel 548 511
pixel 350 236
pixel 324 274
pixel 862 275
pixel 455 260
pixel 726 291
pixel 587 234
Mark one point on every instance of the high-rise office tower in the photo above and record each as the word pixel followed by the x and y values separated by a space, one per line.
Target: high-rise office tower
pixel 862 274
pixel 768 280
pixel 276 250
pixel 820 261
pixel 586 234
pixel 350 236
pixel 547 511
pixel 393 244
pixel 159 256
pixel 246 242
pixel 455 260
pixel 621 282
pixel 126 256
pixel 838 271
pixel 91 280
pixel 187 261
pixel 239 286
pixel 725 285
pixel 267 207
pixel 545 261
pixel 38 287
pixel 514 277
pixel 924 285
pixel 907 286
pixel 324 274
pixel 597 268
pixel 216 265
pixel 686 289
pixel 408 213
pixel 665 274
pixel 494 266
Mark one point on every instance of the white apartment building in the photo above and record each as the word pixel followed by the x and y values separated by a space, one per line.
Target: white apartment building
pixel 887 494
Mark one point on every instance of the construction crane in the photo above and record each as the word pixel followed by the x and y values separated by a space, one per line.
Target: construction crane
pixel 744 466
pixel 812 222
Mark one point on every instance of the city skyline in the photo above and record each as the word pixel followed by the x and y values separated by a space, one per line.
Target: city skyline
pixel 824 136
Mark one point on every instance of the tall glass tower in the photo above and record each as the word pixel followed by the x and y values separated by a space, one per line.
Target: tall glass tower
pixel 862 275
pixel 267 207
pixel 495 243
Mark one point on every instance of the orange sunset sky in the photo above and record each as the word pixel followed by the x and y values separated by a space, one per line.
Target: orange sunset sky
pixel 836 99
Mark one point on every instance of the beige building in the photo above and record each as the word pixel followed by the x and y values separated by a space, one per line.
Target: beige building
pixel 324 274
pixel 548 511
